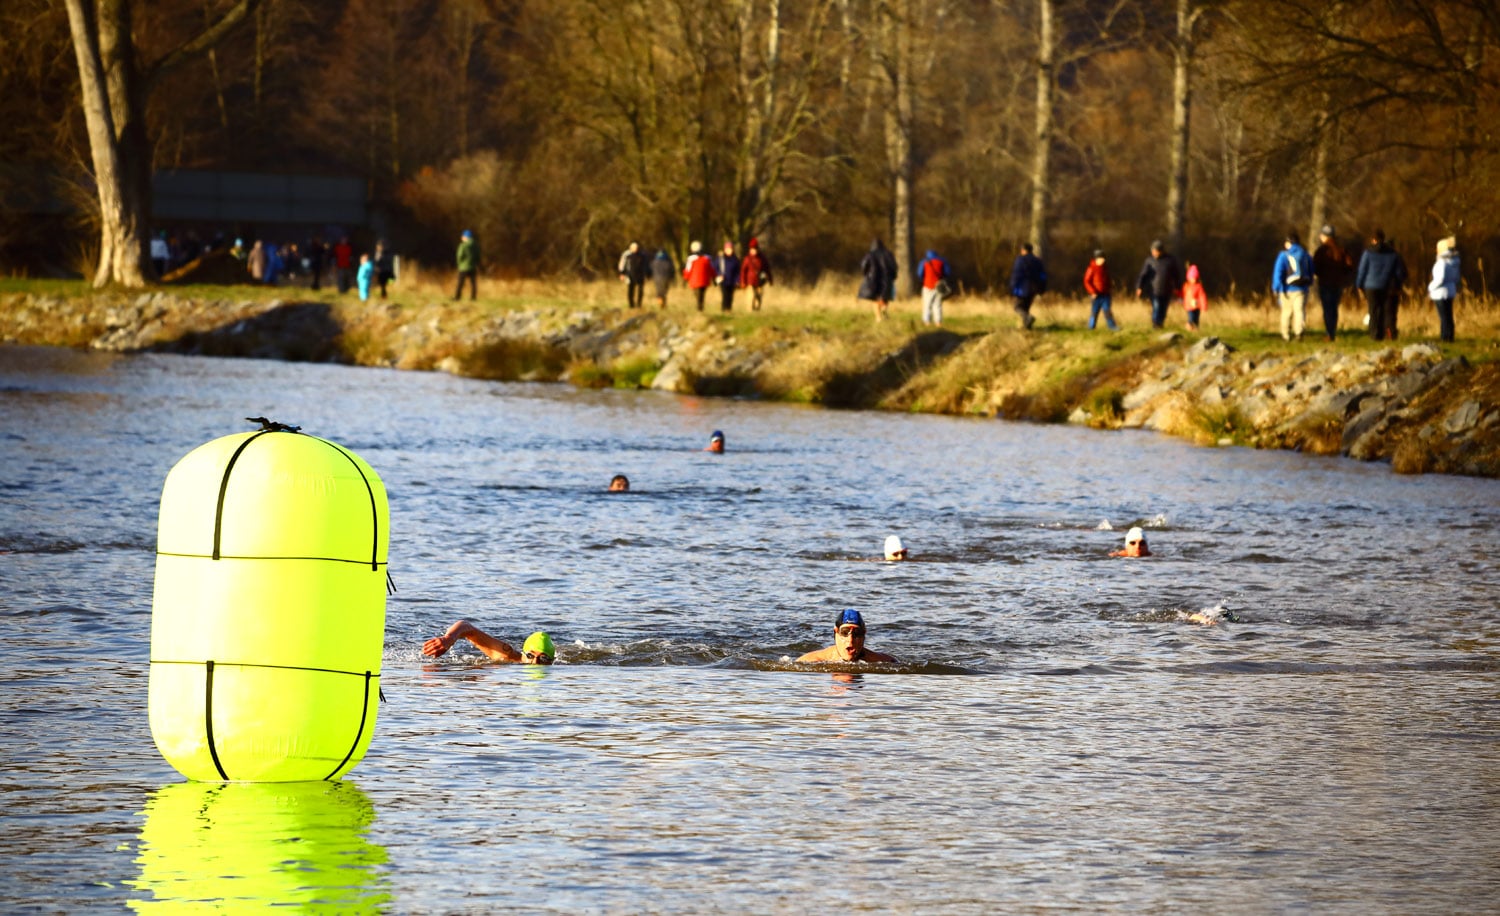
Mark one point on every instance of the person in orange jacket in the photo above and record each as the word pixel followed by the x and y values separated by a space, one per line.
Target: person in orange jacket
pixel 699 272
pixel 1096 283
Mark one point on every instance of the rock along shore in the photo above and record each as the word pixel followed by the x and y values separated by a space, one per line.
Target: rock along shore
pixel 1407 405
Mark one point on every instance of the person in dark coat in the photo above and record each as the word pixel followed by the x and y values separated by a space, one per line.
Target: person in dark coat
pixel 1333 266
pixel 728 266
pixel 879 269
pixel 1160 281
pixel 755 273
pixel 385 267
pixel 1028 279
pixel 663 272
pixel 635 267
pixel 1379 278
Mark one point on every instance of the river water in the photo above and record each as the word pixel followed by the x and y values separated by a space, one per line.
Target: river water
pixel 1057 736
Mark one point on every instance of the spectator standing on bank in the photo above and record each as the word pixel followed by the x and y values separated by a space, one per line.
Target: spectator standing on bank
pixel 257 261
pixel 879 270
pixel 633 268
pixel 662 273
pixel 343 264
pixel 1378 277
pixel 161 253
pixel 935 275
pixel 1160 281
pixel 1444 286
pixel 385 267
pixel 1194 299
pixel 755 273
pixel 1028 279
pixel 317 259
pixel 699 272
pixel 728 266
pixel 365 276
pixel 1291 277
pixel 1097 283
pixel 466 258
pixel 1333 266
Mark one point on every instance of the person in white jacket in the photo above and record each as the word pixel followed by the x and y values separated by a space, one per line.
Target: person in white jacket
pixel 1444 286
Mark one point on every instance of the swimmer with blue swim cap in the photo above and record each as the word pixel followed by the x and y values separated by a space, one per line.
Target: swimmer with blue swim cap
pixel 848 642
pixel 716 443
pixel 537 650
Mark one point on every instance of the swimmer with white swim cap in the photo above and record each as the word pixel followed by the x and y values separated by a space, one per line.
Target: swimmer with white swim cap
pixel 894 549
pixel 537 650
pixel 1135 544
pixel 848 642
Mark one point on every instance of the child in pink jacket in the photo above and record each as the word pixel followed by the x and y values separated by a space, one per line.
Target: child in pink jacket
pixel 1193 297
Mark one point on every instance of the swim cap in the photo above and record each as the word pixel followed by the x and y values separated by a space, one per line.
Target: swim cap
pixel 848 615
pixel 539 643
pixel 893 546
pixel 717 435
pixel 1135 534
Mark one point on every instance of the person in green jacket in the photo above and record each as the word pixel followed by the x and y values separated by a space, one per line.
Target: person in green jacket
pixel 468 266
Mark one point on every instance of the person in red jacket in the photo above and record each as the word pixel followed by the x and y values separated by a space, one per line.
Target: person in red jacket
pixel 343 264
pixel 699 272
pixel 1194 299
pixel 755 273
pixel 1096 283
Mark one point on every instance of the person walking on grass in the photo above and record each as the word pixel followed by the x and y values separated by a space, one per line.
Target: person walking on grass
pixel 1028 279
pixel 698 272
pixel 1194 299
pixel 467 259
pixel 663 271
pixel 878 267
pixel 1444 286
pixel 1379 278
pixel 728 266
pixel 934 274
pixel 1160 281
pixel 1291 277
pixel 755 273
pixel 1333 266
pixel 634 267
pixel 1097 283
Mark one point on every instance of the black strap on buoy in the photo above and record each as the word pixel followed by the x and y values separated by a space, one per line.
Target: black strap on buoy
pixel 208 718
pixel 224 488
pixel 364 713
pixel 374 512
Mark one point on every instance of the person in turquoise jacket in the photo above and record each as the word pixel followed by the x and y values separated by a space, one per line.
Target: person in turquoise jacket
pixel 364 277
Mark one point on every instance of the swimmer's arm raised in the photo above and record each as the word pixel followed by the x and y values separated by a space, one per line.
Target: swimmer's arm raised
pixel 497 649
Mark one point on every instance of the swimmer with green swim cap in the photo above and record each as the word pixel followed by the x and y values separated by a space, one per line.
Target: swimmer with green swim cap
pixel 848 642
pixel 537 650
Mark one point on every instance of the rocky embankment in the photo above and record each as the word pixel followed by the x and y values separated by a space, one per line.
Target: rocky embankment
pixel 1407 405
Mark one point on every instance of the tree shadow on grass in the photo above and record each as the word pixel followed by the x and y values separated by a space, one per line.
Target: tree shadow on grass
pixel 295 332
pixel 863 390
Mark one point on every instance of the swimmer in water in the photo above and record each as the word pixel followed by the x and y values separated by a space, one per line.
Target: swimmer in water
pixel 848 643
pixel 537 650
pixel 894 549
pixel 1135 545
pixel 716 443
pixel 619 484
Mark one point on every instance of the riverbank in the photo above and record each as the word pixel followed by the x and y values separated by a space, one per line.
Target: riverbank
pixel 1421 407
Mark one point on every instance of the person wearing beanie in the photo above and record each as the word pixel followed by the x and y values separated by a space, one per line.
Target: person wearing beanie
pixel 662 272
pixel 1444 286
pixel 1097 283
pixel 1160 280
pixel 848 643
pixel 536 650
pixel 1333 266
pixel 467 259
pixel 755 273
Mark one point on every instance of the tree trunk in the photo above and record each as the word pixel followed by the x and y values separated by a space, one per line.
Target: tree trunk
pixel 1041 163
pixel 1182 99
pixel 1324 139
pixel 898 125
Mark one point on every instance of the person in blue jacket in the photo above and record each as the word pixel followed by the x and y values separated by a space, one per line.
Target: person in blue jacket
pixel 728 266
pixel 364 277
pixel 1379 278
pixel 1291 278
pixel 1028 279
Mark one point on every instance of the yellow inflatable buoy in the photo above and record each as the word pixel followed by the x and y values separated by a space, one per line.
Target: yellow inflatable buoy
pixel 268 616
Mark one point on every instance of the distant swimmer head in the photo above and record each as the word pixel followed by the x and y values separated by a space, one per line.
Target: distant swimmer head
pixel 894 549
pixel 1135 544
pixel 619 483
pixel 716 441
pixel 1135 536
pixel 538 649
